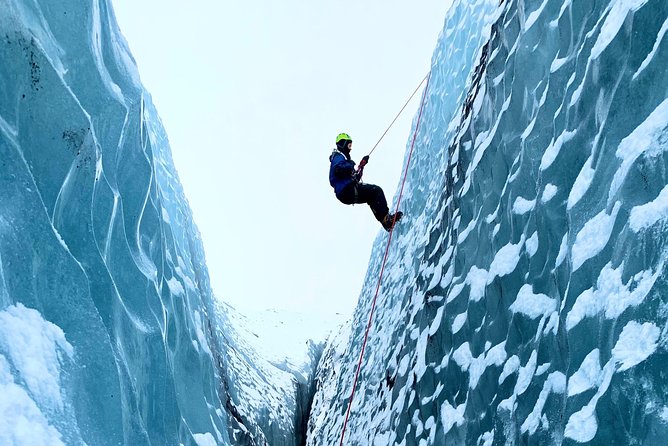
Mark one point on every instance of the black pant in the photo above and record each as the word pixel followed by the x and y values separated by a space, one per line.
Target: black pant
pixel 358 193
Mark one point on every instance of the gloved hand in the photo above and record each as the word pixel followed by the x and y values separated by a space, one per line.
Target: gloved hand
pixel 364 161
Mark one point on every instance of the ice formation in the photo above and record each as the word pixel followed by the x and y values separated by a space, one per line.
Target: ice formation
pixel 524 298
pixel 109 330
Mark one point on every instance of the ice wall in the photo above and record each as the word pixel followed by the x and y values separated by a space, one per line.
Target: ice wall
pixel 102 273
pixel 525 296
pixel 109 331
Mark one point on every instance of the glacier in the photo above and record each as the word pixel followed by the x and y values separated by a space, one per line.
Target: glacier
pixel 524 297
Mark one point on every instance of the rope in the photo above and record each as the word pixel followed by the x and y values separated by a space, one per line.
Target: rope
pixel 398 114
pixel 387 250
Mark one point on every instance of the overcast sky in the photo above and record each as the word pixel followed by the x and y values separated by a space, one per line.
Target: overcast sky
pixel 252 95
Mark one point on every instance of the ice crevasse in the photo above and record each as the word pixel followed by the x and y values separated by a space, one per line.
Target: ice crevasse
pixel 524 300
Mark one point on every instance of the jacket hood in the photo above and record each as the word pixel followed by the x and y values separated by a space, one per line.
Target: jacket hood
pixel 344 153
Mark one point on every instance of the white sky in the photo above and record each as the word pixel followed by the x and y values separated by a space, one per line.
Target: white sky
pixel 252 95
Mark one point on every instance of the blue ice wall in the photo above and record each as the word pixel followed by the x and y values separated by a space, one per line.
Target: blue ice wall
pixel 109 331
pixel 104 292
pixel 525 296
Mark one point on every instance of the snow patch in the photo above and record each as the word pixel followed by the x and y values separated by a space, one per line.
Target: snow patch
pixel 645 140
pixel 205 439
pixel 477 280
pixel 555 383
pixel 522 206
pixel 549 192
pixel 452 415
pixel 612 296
pixel 458 323
pixel 506 260
pixel 593 237
pixel 21 420
pixel 35 348
pixel 587 376
pixel 652 53
pixel 636 343
pixel 554 148
pixel 647 215
pixel 581 184
pixel 175 287
pixel 532 244
pixel 531 304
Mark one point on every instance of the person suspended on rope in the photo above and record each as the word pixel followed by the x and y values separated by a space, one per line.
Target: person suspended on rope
pixel 349 188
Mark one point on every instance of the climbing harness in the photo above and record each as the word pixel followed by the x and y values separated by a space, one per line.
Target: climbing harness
pixel 387 247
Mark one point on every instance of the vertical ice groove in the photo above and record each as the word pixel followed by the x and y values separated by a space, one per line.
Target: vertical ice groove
pixel 9 131
pixel 96 47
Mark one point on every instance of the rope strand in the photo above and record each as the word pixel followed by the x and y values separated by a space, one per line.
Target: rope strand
pixel 398 114
pixel 387 250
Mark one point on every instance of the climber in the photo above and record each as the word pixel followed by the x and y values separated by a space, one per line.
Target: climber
pixel 348 186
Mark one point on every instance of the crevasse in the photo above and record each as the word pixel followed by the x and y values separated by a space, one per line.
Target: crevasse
pixel 524 300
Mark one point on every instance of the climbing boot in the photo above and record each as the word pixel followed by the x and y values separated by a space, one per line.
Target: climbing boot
pixel 390 219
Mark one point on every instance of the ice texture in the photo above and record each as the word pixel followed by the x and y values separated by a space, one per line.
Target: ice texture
pixel 533 246
pixel 524 300
pixel 109 331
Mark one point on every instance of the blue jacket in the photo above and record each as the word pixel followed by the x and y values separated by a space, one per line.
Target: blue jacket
pixel 341 171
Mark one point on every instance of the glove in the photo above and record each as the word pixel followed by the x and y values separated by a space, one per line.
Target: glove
pixel 364 161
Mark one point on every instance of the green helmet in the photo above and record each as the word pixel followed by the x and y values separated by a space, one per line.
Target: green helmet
pixel 342 136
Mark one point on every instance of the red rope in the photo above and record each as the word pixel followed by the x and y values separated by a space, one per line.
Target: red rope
pixel 382 269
